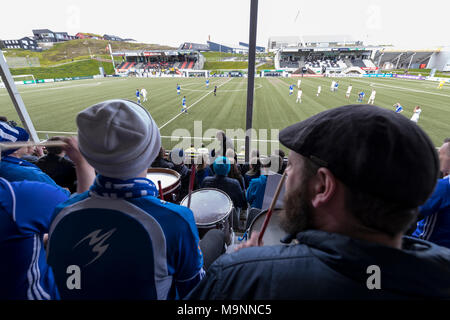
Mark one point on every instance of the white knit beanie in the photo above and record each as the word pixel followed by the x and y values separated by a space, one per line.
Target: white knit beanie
pixel 118 138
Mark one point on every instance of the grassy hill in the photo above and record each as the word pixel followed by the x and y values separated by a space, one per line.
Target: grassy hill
pixel 75 69
pixel 80 49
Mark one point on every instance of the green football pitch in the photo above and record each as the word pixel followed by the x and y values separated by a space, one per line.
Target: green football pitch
pixel 54 106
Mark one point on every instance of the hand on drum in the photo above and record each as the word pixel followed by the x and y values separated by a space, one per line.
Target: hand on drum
pixel 252 242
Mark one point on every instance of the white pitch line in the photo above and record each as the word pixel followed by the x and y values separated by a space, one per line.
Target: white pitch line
pixel 167 137
pixel 405 89
pixel 165 124
pixel 62 87
pixel 210 139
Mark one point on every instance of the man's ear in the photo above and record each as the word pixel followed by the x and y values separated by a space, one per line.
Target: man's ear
pixel 323 187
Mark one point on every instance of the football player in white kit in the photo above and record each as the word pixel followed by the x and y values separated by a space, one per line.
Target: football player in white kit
pixel 299 82
pixel 299 95
pixel 144 94
pixel 319 88
pixel 416 114
pixel 349 90
pixel 372 97
pixel 332 85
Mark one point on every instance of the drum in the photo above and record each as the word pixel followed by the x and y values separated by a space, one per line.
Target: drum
pixel 170 182
pixel 273 233
pixel 212 208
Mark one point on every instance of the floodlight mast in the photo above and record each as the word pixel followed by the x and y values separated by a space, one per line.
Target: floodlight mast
pixel 8 80
pixel 251 75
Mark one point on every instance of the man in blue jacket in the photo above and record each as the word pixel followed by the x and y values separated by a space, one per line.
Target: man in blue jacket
pixel 355 178
pixel 435 226
pixel 26 209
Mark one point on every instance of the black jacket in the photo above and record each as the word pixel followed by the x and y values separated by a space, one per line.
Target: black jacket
pixel 328 266
pixel 229 186
pixel 59 169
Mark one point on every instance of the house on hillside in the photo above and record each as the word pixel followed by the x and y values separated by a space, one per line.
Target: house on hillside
pixel 83 35
pixel 25 43
pixel 46 35
pixel 112 37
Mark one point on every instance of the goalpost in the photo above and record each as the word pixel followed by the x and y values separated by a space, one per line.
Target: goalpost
pixel 195 73
pixel 21 79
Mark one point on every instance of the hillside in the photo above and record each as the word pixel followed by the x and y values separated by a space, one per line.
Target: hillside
pixel 80 49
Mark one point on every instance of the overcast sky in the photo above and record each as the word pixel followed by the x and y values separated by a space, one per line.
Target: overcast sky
pixel 402 23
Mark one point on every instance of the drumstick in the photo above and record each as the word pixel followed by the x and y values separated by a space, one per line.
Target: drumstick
pixel 16 145
pixel 269 212
pixel 161 195
pixel 191 184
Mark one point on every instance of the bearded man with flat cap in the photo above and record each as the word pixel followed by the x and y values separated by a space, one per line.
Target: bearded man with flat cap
pixel 118 240
pixel 355 178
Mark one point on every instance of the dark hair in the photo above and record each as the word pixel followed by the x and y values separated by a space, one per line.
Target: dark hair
pixel 54 150
pixel 279 152
pixel 3 118
pixel 372 212
pixel 446 140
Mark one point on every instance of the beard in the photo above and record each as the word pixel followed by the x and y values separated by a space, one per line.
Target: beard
pixel 297 214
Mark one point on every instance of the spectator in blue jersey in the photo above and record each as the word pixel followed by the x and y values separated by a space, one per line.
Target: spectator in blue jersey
pixel 118 240
pixel 348 211
pixel 26 208
pixel 435 225
pixel 257 187
pixel 12 168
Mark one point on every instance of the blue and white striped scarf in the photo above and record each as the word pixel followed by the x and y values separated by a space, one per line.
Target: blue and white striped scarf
pixel 122 189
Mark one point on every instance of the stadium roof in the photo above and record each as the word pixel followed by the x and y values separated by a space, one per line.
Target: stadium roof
pixel 394 49
pixel 147 53
pixel 314 39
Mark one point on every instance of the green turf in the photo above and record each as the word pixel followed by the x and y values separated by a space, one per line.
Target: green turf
pixel 53 107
